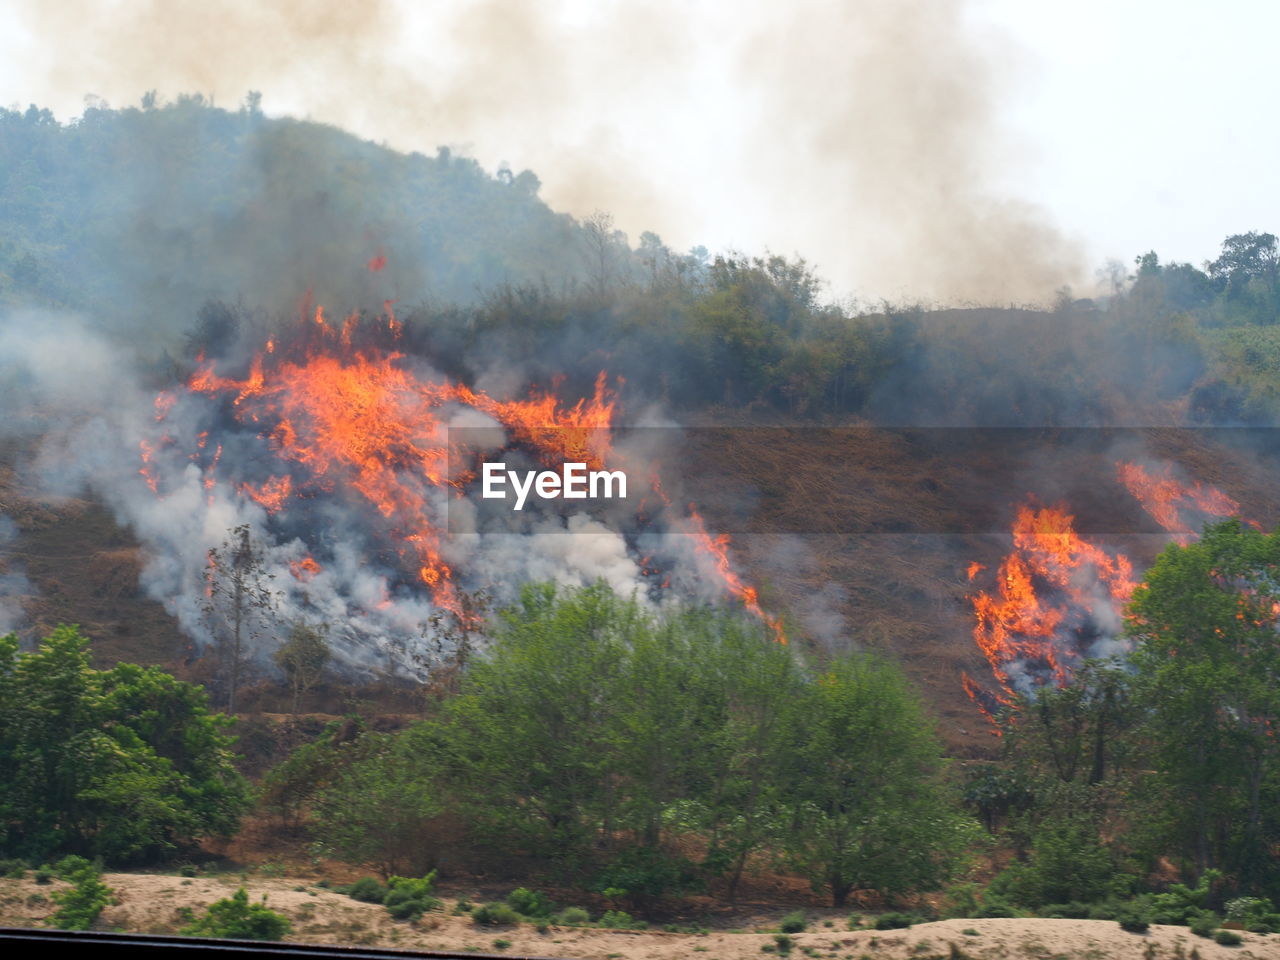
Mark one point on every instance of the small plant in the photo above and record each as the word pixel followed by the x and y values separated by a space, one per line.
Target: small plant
pixel 367 890
pixel 1133 922
pixel 408 898
pixel 894 921
pixel 793 922
pixel 620 920
pixel 855 922
pixel 235 918
pixel 36 899
pixel 187 870
pixel 44 874
pixel 1228 938
pixel 573 917
pixel 970 932
pixel 530 903
pixel 768 948
pixel 1204 924
pixel 79 906
pixel 501 944
pixel 828 924
pixel 783 942
pixel 494 915
pixel 13 869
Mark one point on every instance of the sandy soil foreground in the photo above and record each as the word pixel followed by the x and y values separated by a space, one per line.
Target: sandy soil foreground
pixel 151 903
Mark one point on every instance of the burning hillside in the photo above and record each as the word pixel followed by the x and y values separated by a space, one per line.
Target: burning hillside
pixel 356 465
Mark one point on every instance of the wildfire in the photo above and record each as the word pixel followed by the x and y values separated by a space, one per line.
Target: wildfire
pixel 1052 593
pixel 1057 594
pixel 1169 502
pixel 339 409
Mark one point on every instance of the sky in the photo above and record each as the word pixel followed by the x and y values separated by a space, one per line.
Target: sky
pixel 951 150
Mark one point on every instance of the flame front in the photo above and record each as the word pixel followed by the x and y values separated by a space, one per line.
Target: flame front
pixel 342 412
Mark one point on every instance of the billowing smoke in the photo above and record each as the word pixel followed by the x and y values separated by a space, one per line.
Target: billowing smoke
pixel 866 134
pixel 13 583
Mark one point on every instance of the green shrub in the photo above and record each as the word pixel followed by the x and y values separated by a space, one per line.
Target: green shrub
pixel 79 906
pixel 235 918
pixel 501 944
pixel 494 915
pixel 793 923
pixel 530 903
pixel 894 921
pixel 1106 910
pixel 1249 910
pixel 1133 921
pixel 995 907
pixel 408 898
pixel 72 866
pixel 367 890
pixel 782 942
pixel 572 917
pixel 44 874
pixel 621 920
pixel 187 870
pixel 1228 938
pixel 13 869
pixel 1204 925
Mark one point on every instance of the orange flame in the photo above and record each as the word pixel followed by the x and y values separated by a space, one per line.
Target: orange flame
pixel 1168 501
pixel 272 494
pixel 1015 624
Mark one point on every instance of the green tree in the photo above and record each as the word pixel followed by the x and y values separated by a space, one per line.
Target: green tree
pixel 303 658
pixel 1208 664
pixel 125 763
pixel 378 809
pixel 869 806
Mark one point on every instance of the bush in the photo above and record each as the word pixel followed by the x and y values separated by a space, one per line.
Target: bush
pixel 68 868
pixel 79 907
pixel 494 915
pixel 793 923
pixel 894 921
pixel 13 869
pixel 1204 925
pixel 187 870
pixel 572 917
pixel 44 874
pixel 783 942
pixel 621 920
pixel 235 918
pixel 530 903
pixel 408 898
pixel 1133 921
pixel 1247 910
pixel 367 890
pixel 1228 938
pixel 995 907
pixel 1106 910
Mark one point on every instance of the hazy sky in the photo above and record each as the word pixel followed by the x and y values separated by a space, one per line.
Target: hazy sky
pixel 954 149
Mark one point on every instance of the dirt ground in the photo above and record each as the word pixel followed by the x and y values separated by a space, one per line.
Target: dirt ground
pixel 150 903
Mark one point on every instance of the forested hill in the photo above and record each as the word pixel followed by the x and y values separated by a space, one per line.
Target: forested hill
pixel 136 214
pixel 163 223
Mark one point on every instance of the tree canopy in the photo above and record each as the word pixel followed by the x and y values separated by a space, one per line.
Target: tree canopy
pixel 126 764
